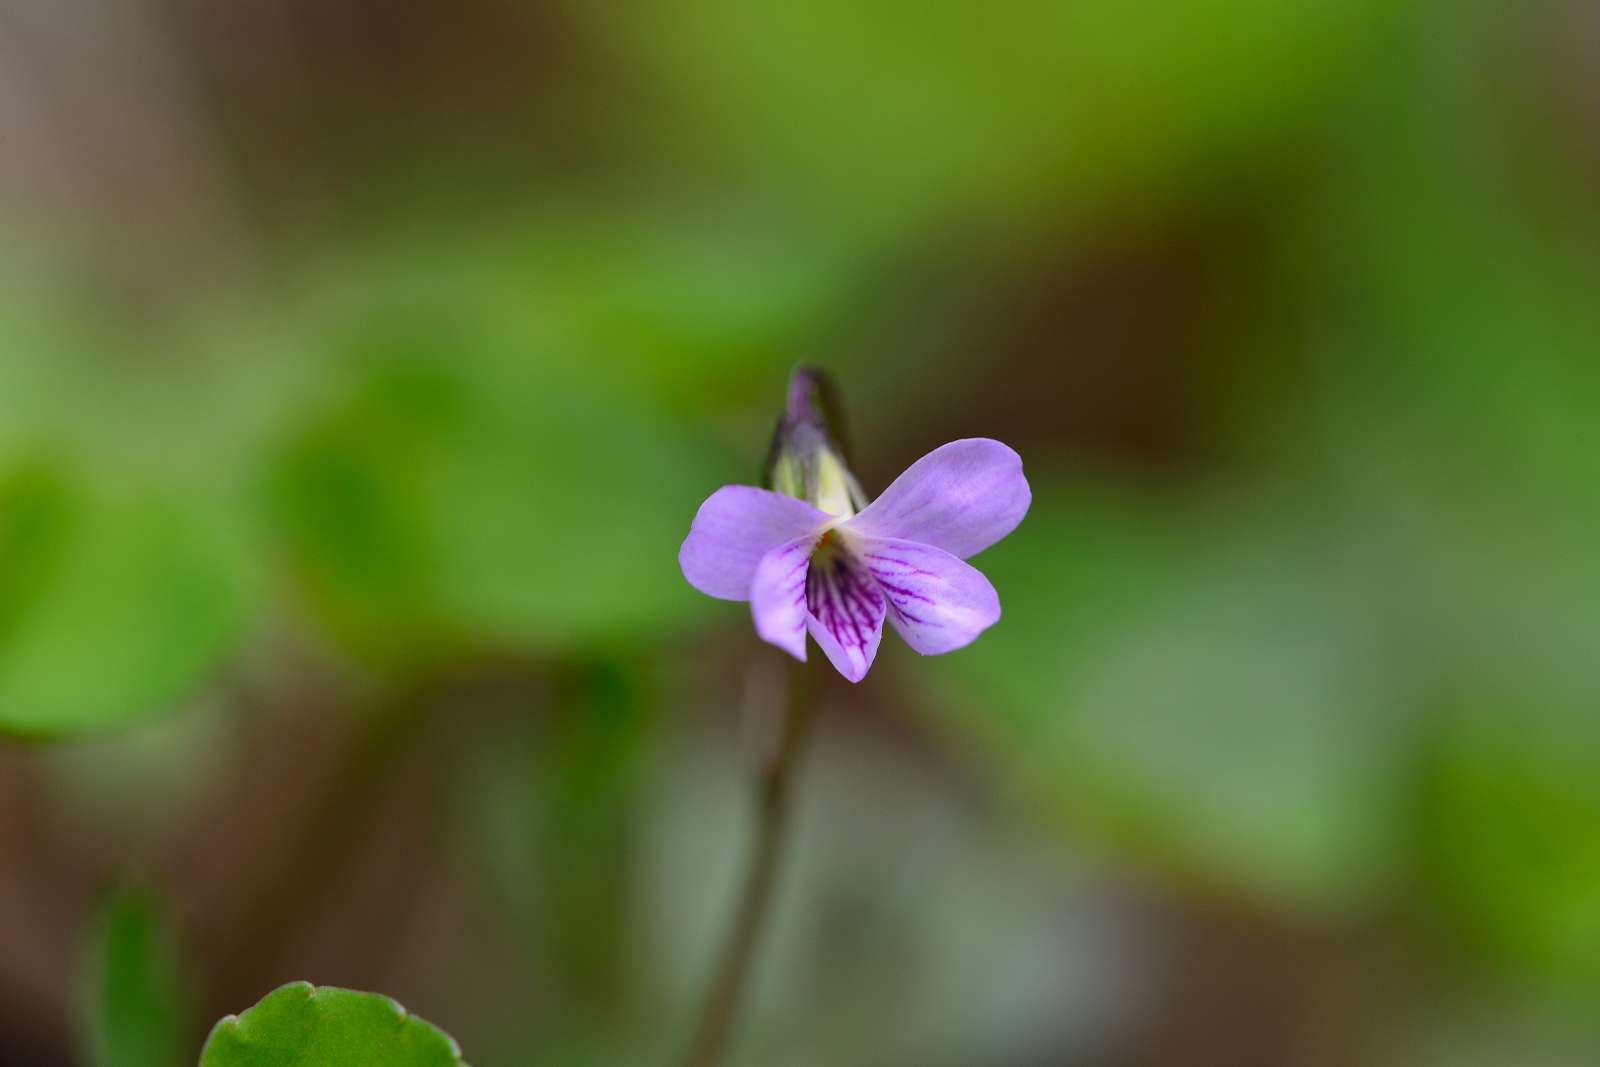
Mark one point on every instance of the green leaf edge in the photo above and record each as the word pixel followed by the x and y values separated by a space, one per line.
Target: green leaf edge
pixel 238 1025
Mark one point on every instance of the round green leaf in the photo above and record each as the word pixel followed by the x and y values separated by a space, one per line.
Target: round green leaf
pixel 300 1024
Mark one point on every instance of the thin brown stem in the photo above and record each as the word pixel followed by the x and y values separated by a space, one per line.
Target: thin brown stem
pixel 725 994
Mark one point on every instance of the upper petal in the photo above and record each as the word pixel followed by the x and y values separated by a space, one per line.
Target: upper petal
pixel 778 595
pixel 937 602
pixel 845 610
pixel 961 497
pixel 735 527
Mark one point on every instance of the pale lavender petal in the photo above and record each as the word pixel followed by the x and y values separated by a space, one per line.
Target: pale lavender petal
pixel 961 497
pixel 778 595
pixel 844 610
pixel 735 527
pixel 937 602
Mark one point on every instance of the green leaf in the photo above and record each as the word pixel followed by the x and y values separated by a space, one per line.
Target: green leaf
pixel 300 1024
pixel 111 605
pixel 135 1000
pixel 456 499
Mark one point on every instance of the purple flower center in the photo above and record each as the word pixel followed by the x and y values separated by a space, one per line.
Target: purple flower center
pixel 840 593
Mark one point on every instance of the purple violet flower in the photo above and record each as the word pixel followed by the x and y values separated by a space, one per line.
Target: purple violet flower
pixel 816 558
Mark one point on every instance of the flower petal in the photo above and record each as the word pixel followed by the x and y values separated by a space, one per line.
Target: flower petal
pixel 845 610
pixel 961 497
pixel 778 595
pixel 937 602
pixel 735 527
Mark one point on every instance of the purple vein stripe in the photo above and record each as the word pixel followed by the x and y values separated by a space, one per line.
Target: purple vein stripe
pixel 844 600
pixel 910 568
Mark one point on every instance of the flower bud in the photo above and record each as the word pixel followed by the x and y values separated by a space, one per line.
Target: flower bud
pixel 807 460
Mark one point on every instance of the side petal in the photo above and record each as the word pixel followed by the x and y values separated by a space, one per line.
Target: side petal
pixel 845 610
pixel 937 602
pixel 961 497
pixel 778 595
pixel 735 527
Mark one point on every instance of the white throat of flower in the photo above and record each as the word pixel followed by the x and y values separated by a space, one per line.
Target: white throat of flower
pixel 825 483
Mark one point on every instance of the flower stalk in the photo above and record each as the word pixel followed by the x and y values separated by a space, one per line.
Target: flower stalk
pixel 726 991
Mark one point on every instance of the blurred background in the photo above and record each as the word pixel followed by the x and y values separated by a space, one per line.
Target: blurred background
pixel 362 365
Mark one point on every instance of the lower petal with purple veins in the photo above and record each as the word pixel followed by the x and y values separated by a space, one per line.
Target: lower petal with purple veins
pixel 845 608
pixel 937 602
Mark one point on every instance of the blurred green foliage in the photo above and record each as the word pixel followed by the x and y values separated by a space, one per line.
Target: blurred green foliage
pixel 1210 697
pixel 112 604
pixel 136 996
pixel 890 115
pixel 1328 651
